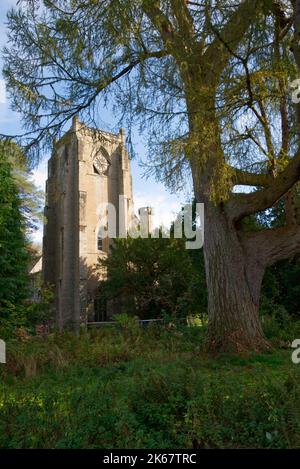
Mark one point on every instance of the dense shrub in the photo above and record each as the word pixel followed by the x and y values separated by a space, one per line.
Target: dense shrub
pixel 150 277
pixel 281 290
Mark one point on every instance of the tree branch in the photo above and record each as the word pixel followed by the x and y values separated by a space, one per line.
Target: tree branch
pixel 242 205
pixel 70 112
pixel 159 20
pixel 245 178
pixel 268 134
pixel 271 246
pixel 184 20
pixel 277 9
pixel 180 41
pixel 296 41
pixel 231 34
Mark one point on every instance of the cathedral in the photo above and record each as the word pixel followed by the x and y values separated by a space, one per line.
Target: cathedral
pixel 89 169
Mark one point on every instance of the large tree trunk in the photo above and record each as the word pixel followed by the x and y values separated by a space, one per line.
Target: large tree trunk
pixel 234 284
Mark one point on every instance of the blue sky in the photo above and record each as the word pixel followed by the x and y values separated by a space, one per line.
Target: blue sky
pixel 147 192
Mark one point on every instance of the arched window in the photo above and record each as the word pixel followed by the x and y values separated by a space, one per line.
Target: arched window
pixel 99 242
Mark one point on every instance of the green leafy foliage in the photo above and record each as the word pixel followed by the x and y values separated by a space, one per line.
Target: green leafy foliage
pixel 125 387
pixel 31 198
pixel 281 289
pixel 150 277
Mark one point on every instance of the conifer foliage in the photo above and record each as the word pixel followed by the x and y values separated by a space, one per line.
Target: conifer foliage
pixel 13 253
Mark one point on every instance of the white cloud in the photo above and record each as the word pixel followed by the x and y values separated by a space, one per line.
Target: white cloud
pixel 39 175
pixel 2 92
pixel 37 236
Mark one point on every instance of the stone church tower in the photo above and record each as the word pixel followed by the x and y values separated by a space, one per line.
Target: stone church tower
pixel 88 169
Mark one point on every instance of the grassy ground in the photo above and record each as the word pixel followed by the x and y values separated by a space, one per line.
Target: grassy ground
pixel 153 388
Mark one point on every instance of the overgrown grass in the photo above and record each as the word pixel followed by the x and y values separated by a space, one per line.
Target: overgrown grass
pixel 152 388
